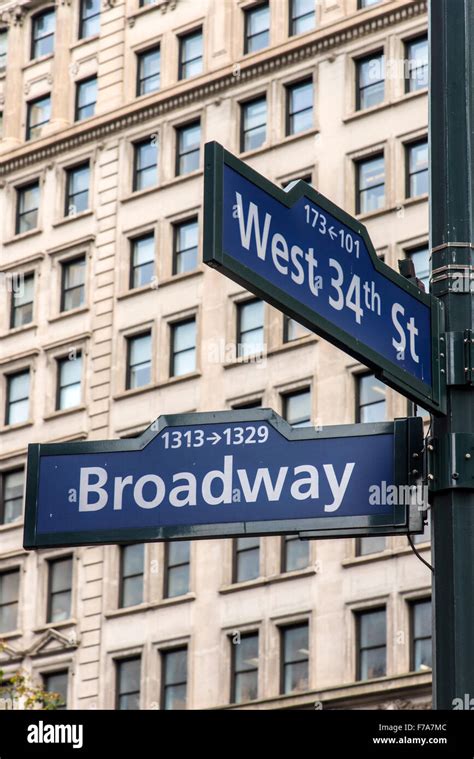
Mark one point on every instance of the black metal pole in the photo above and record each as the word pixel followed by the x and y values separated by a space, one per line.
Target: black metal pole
pixel 451 222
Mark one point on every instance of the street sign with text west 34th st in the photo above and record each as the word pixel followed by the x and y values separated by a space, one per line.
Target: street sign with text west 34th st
pixel 295 249
pixel 226 474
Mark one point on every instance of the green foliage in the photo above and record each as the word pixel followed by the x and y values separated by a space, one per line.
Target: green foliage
pixel 19 687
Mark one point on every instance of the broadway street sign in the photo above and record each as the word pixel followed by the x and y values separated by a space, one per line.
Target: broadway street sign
pixel 225 474
pixel 310 259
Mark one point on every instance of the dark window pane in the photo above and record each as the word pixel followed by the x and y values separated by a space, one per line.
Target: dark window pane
pixel 300 107
pixel 174 679
pixel 421 632
pixel 9 593
pixel 416 74
pixel 149 66
pixel 296 553
pixel 139 361
pixel 295 658
pixel 183 360
pixel 421 259
pixel 132 570
pixel 177 560
pixel 59 590
pixel 73 284
pixel 417 169
pixel 69 382
pixel 366 546
pixel 186 247
pixel 372 635
pixel 297 408
pixel 22 302
pixel 372 399
pixel 370 81
pixel 43 33
pixel 146 165
pixel 251 335
pixel 303 16
pixel 56 682
pixel 245 668
pixel 128 683
pixel 246 559
pixel 190 55
pixel 188 143
pixel 371 184
pixel 86 98
pixel 90 18
pixel 293 330
pixel 38 114
pixel 257 28
pixel 18 392
pixel 77 183
pixel 27 207
pixel 11 505
pixel 254 124
pixel 143 260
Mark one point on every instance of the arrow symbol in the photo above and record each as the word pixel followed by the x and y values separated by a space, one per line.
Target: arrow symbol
pixel 214 438
pixel 332 233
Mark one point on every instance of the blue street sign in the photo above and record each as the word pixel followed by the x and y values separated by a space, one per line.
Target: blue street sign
pixel 297 250
pixel 224 474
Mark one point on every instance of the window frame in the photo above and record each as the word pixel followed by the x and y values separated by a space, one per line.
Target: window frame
pixel 285 539
pixel 197 31
pixel 173 353
pixel 60 363
pixel 292 19
pixel 28 275
pixel 236 552
pixel 118 693
pixel 233 670
pixel 52 673
pixel 134 267
pixel 69 171
pixel 29 127
pixel 49 594
pixel 3 475
pixel 34 19
pixel 358 615
pixel 129 339
pixel 15 569
pixel 140 54
pixel 19 215
pixel 409 146
pixel 358 191
pixel 358 378
pixel 283 628
pixel 413 602
pixel 177 226
pixel 244 104
pixel 123 577
pixel 248 10
pixel 406 54
pixel 83 20
pixel 166 571
pixel 164 652
pixel 290 114
pixel 378 53
pixel 8 378
pixel 287 394
pixel 136 145
pixel 241 304
pixel 179 131
pixel 64 266
pixel 79 83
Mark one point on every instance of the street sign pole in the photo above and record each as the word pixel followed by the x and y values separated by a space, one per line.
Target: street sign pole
pixel 452 244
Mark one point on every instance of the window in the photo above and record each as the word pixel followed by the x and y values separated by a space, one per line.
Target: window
pixel 3 48
pixel 128 683
pixel 22 302
pixel 421 260
pixel 371 399
pixel 416 169
pixel 188 141
pixel 174 665
pixel 18 393
pixel 295 658
pixel 177 566
pixel 86 98
pixel 11 496
pixel 145 172
pixel 9 593
pixel 367 3
pixel 297 408
pixel 246 564
pixel 56 682
pixel 305 178
pixel 42 37
pixel 257 28
pixel 132 568
pixel 183 348
pixel 248 404
pixel 138 360
pixel 38 114
pixel 299 107
pixel 69 382
pixel 89 18
pixel 250 329
pixel 59 589
pixel 293 330
pixel 244 668
pixel 143 260
pixel 421 648
pixel 27 206
pixel 77 189
pixel 73 289
pixel 253 124
pixel 295 553
pixel 370 190
pixel 416 62
pixel 190 54
pixel 370 81
pixel 372 644
pixel 185 256
pixel 302 16
pixel 149 65
pixel 367 546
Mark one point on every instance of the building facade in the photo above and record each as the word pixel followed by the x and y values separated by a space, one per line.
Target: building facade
pixel 110 319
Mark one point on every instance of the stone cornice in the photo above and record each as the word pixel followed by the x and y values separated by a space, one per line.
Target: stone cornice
pixel 210 85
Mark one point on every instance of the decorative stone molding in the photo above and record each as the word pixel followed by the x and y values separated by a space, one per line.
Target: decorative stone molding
pixel 212 87
pixel 9 654
pixel 405 705
pixel 52 642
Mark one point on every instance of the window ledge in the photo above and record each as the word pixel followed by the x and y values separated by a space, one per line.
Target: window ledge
pixel 11 526
pixel 19 330
pixel 161 283
pixel 73 217
pixel 14 427
pixel 234 587
pixel 84 41
pixel 293 574
pixel 413 201
pixel 258 359
pixel 23 236
pixel 9 636
pixel 182 378
pixel 136 194
pixel 355 561
pixel 40 59
pixel 182 177
pixel 299 342
pixel 64 412
pixel 149 606
pixel 300 135
pixel 66 314
pixel 374 214
pixel 131 17
pixel 354 115
pixel 134 391
pixel 55 625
